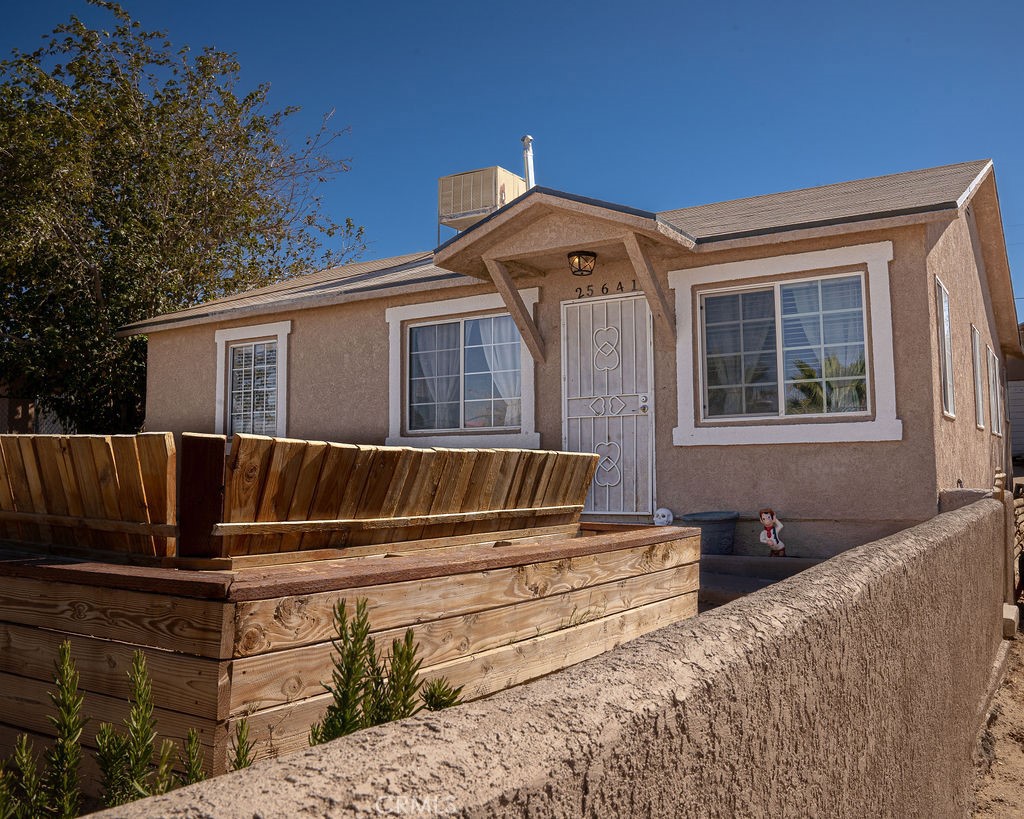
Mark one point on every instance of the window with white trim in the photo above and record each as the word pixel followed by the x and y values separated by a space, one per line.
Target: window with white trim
pixel 995 401
pixel 794 348
pixel 945 348
pixel 252 388
pixel 252 379
pixel 464 374
pixel 979 388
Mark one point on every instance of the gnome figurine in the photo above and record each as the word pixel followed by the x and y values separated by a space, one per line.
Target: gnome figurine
pixel 770 534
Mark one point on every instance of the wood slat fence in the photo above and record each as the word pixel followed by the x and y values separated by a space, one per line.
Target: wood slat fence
pixel 112 493
pixel 291 499
pixel 284 496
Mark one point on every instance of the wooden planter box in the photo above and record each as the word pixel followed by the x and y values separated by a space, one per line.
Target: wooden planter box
pixel 497 595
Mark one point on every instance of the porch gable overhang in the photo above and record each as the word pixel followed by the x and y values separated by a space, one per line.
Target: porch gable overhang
pixel 465 252
pixel 506 243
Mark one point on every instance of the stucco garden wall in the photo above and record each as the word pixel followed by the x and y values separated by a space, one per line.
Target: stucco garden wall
pixel 853 689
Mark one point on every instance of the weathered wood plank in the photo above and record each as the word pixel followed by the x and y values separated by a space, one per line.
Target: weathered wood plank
pixel 158 463
pixel 457 487
pixel 285 728
pixel 305 487
pixel 9 531
pixel 87 483
pixel 247 467
pixel 132 491
pixel 400 485
pixel 278 487
pixel 202 494
pixel 334 476
pixel 29 700
pixel 191 685
pixel 426 497
pixel 18 482
pixel 355 486
pixel 109 489
pixel 308 556
pixel 33 478
pixel 362 524
pixel 93 524
pixel 200 627
pixel 49 457
pixel 274 581
pixel 73 495
pixel 287 622
pixel 284 676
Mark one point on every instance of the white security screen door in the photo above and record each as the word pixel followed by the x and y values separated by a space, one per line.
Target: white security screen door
pixel 608 399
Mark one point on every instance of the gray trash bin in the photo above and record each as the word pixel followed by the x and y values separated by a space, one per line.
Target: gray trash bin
pixel 717 530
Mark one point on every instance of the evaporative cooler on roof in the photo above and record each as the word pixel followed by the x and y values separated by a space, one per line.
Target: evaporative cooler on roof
pixel 463 199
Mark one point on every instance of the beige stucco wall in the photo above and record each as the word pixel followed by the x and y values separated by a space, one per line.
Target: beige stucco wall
pixel 855 688
pixel 337 371
pixel 962 451
pixel 809 485
pixel 831 496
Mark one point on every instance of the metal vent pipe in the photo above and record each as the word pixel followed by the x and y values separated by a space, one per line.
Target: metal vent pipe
pixel 528 160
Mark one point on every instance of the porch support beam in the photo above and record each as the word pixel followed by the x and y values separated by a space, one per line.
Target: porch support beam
pixel 656 298
pixel 514 302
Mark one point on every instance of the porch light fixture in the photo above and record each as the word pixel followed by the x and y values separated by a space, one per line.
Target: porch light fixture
pixel 581 262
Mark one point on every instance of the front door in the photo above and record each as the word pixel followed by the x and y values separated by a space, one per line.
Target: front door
pixel 608 399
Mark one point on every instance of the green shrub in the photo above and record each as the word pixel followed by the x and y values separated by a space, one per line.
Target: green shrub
pixel 439 694
pixel 192 759
pixel 24 792
pixel 243 753
pixel 126 759
pixel 368 689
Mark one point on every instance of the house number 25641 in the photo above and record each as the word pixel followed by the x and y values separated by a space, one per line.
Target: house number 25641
pixel 605 289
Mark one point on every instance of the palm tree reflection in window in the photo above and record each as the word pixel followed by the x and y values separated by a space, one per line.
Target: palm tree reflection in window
pixel 841 388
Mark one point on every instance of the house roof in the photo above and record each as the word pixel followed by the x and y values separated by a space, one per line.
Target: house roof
pixel 335 283
pixel 900 194
pixel 913 192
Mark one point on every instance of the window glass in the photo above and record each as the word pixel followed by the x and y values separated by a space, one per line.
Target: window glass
pixel 979 390
pixel 820 350
pixel 994 397
pixel 740 362
pixel 945 348
pixel 465 375
pixel 252 383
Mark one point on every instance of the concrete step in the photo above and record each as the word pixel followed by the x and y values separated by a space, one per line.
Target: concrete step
pixel 768 568
pixel 719 589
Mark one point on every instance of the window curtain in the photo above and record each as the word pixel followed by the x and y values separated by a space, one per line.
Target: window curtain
pixel 501 350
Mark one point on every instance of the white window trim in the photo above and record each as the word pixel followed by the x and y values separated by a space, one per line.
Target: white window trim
pixel 526 438
pixel 278 331
pixel 995 393
pixel 979 379
pixel 943 316
pixel 885 426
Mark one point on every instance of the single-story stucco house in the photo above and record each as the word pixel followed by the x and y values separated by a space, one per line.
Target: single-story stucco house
pixel 836 353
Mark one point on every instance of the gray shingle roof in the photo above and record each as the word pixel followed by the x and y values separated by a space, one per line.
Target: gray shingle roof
pixel 348 279
pixel 896 194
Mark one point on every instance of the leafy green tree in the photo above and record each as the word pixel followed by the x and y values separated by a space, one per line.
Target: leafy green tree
pixel 136 178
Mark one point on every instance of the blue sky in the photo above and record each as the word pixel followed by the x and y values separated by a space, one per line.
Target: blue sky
pixel 657 105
